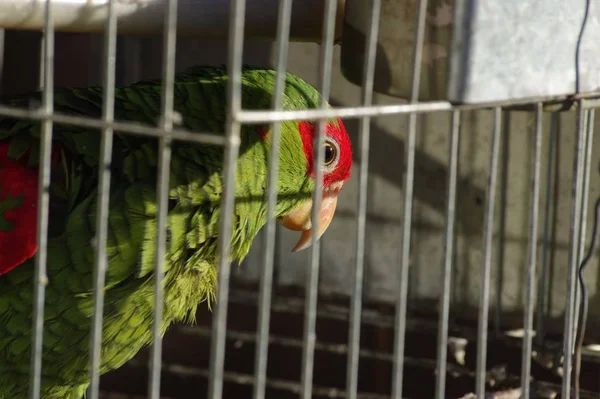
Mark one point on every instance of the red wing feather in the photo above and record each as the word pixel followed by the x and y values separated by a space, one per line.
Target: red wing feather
pixel 18 210
pixel 18 207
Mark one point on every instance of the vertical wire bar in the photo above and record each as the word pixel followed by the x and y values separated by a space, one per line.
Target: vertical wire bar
pixel 361 221
pixel 234 93
pixel 2 35
pixel 544 280
pixel 579 331
pixel 310 308
pixel 266 276
pixel 42 71
pixel 162 192
pixel 110 49
pixel 41 278
pixel 501 234
pixel 576 193
pixel 487 262
pixel 401 305
pixel 532 256
pixel 589 124
pixel 589 132
pixel 575 303
pixel 442 341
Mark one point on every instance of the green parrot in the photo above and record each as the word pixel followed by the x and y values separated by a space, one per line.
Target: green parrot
pixel 193 217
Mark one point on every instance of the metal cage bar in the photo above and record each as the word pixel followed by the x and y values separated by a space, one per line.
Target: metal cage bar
pixel 501 227
pixel 259 117
pixel 233 130
pixel 545 266
pixel 310 314
pixel 582 216
pixel 125 127
pixel 576 305
pixel 532 254
pixel 2 60
pixel 352 364
pixel 41 278
pixel 108 110
pixel 590 115
pixel 401 305
pixel 488 235
pixel 449 240
pixel 342 112
pixel 589 138
pixel 266 277
pixel 162 192
pixel 569 331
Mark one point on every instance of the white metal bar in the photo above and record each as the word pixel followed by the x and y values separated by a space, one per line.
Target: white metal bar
pixel 266 276
pixel 502 218
pixel 206 18
pixel 310 311
pixel 577 192
pixel 401 300
pixel 545 274
pixel 255 116
pixel 246 117
pixel 449 240
pixel 583 215
pixel 589 137
pixel 581 312
pixel 233 127
pixel 589 129
pixel 487 262
pixel 162 192
pixel 2 35
pixel 108 105
pixel 41 278
pixel 126 127
pixel 342 112
pixel 361 220
pixel 532 254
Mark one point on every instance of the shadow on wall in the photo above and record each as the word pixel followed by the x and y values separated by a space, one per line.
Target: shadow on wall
pixel 77 60
pixel 431 175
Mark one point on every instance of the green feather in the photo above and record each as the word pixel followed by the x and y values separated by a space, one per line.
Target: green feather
pixel 6 204
pixel 195 191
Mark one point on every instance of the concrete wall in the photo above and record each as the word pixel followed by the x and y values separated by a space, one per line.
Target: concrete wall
pixel 78 62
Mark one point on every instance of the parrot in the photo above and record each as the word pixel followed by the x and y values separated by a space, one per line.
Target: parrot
pixel 196 184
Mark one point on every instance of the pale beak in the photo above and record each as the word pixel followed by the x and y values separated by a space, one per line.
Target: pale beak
pixel 300 218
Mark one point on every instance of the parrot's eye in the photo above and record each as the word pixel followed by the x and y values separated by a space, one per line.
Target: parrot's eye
pixel 330 153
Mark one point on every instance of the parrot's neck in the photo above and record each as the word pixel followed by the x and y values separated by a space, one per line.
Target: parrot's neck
pixel 202 201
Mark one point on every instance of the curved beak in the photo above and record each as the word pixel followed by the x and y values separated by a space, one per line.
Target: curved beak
pixel 300 218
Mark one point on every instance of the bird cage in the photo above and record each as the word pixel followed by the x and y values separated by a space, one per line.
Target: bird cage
pixel 461 259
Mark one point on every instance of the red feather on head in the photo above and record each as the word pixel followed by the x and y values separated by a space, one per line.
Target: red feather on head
pixel 338 133
pixel 336 171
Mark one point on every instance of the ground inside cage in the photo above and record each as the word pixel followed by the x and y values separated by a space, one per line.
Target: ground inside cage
pixel 186 352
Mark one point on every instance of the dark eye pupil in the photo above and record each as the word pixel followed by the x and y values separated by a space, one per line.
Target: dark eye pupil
pixel 329 153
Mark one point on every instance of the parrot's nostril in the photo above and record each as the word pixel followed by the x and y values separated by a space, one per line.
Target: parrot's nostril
pixel 335 188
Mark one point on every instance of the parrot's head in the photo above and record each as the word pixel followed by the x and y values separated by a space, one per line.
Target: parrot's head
pixel 296 180
pixel 297 172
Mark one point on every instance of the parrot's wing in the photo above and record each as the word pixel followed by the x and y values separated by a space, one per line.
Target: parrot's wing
pixel 74 162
